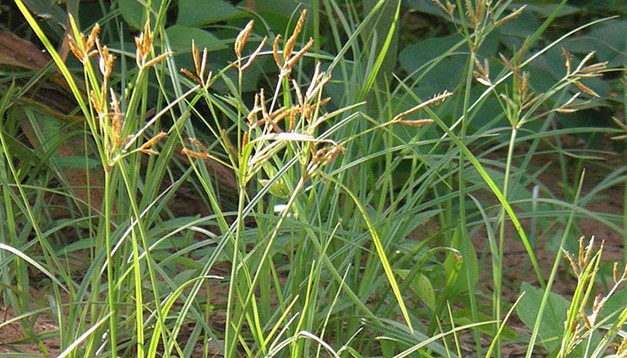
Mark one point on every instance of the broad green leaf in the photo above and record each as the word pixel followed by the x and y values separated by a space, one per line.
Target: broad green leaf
pixel 438 68
pixel 608 40
pixel 277 13
pixel 423 288
pixel 181 37
pixel 615 305
pixel 553 317
pixel 284 7
pixel 48 10
pixel 198 13
pixel 427 7
pixel 465 317
pixel 548 9
pixel 51 12
pixel 465 267
pixel 418 57
pixel 517 194
pixel 134 11
pixel 546 70
pixel 77 162
pixel 512 33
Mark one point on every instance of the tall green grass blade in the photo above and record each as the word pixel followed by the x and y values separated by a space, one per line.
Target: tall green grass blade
pixel 382 256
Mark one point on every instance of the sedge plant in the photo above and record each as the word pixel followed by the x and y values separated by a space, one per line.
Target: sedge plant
pixel 354 198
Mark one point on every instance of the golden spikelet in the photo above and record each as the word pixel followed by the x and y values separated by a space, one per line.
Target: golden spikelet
pixel 586 89
pixel 198 144
pixel 116 129
pixel 147 147
pixel 191 76
pixel 193 154
pixel 415 122
pixel 323 156
pixel 97 103
pixel 275 51
pixel 593 70
pixel 93 36
pixel 480 11
pixel 333 153
pixel 158 59
pixel 567 60
pixel 483 74
pixel 470 12
pixel 448 8
pixel 143 43
pixel 291 124
pixel 245 139
pixel 433 101
pixel 79 46
pixel 289 45
pixel 571 261
pixel 227 142
pixel 507 63
pixel 198 63
pixel 292 61
pixel 253 55
pixel 615 272
pixel 105 62
pixel 276 117
pixel 242 38
pixel 74 48
pixel 83 48
pixel 509 17
pixel 523 84
pixel 116 121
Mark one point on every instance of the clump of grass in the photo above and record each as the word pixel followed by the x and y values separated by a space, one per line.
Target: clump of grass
pixel 351 232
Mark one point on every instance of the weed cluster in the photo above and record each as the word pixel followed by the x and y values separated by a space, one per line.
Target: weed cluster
pixel 334 207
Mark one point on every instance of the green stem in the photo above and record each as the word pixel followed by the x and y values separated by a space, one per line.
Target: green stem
pixel 235 311
pixel 497 264
pixel 111 278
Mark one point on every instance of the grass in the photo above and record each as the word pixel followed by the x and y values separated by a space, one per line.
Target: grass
pixel 340 205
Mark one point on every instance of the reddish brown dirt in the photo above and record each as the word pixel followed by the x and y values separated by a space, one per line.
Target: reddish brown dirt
pixel 13 339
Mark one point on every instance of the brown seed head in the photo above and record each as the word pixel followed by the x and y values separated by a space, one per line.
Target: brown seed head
pixel 143 42
pixel 254 55
pixel 289 45
pixel 275 51
pixel 437 99
pixel 292 61
pixel 242 38
pixel 586 89
pixel 105 62
pixel 194 154
pixel 147 147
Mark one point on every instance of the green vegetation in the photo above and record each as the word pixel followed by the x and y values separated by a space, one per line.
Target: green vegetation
pixel 313 178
